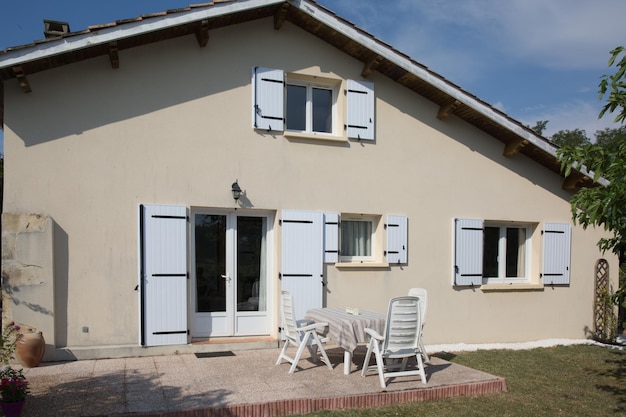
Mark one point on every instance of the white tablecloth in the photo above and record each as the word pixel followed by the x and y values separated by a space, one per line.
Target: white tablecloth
pixel 345 329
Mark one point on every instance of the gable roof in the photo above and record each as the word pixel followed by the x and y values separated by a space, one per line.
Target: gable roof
pixel 199 19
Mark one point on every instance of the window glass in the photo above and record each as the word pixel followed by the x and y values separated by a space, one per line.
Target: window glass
pixel 356 238
pixel 322 110
pixel 490 252
pixel 296 107
pixel 210 263
pixel 251 251
pixel 515 252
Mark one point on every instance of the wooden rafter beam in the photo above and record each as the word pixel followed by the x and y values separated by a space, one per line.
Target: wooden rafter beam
pixel 202 34
pixel 514 147
pixel 21 79
pixel 371 66
pixel 447 109
pixel 571 181
pixel 113 55
pixel 280 16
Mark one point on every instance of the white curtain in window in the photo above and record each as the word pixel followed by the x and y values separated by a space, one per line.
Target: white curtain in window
pixel 521 253
pixel 356 238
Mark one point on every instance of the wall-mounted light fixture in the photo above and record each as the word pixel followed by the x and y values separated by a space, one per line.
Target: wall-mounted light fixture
pixel 236 189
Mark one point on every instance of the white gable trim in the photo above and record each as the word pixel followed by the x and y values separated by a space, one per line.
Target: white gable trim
pixel 127 30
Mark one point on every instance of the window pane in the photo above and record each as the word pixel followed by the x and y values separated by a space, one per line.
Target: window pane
pixel 356 238
pixel 296 107
pixel 210 263
pixel 251 279
pixel 515 252
pixel 322 110
pixel 490 252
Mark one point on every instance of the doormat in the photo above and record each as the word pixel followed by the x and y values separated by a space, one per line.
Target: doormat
pixel 213 354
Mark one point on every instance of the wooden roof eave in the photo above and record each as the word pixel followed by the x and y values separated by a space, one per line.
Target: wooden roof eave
pixel 128 29
pixel 402 61
pixel 451 98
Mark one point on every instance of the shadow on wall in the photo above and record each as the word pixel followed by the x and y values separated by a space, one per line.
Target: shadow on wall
pixel 34 275
pixel 149 79
pixel 61 273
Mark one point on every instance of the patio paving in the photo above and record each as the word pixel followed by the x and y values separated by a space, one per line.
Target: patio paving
pixel 238 383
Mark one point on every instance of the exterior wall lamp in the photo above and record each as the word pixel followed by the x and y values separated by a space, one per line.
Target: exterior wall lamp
pixel 236 189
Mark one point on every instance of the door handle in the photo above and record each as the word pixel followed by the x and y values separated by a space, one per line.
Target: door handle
pixel 227 278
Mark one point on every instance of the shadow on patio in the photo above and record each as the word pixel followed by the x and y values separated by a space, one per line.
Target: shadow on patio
pixel 240 383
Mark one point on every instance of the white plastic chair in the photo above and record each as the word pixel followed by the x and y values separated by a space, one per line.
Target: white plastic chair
pixel 401 341
pixel 301 333
pixel 422 294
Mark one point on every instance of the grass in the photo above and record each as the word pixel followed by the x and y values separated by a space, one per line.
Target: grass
pixel 579 380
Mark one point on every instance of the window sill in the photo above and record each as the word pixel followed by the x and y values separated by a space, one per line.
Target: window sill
pixel 511 287
pixel 362 265
pixel 315 136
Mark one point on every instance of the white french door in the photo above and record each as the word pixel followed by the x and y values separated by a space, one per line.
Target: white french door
pixel 230 262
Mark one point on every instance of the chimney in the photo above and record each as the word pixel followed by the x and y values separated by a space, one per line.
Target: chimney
pixel 54 29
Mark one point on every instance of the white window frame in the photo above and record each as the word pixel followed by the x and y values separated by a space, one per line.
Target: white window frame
pixel 354 116
pixel 502 278
pixel 374 221
pixel 334 88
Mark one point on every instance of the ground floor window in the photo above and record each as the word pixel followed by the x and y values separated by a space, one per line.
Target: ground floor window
pixel 505 252
pixel 357 238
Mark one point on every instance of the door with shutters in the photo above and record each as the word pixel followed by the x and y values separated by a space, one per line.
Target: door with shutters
pixel 163 275
pixel 230 262
pixel 302 258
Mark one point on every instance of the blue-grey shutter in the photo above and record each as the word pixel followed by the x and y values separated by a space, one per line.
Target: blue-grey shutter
pixel 163 281
pixel 468 253
pixel 302 258
pixel 268 98
pixel 331 238
pixel 360 122
pixel 556 253
pixel 397 239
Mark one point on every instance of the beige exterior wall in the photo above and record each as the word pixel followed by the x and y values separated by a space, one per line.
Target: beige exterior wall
pixel 173 126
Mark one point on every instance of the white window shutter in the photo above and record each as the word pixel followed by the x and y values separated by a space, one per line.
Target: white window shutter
pixel 302 258
pixel 468 252
pixel 331 238
pixel 268 112
pixel 360 115
pixel 556 253
pixel 397 239
pixel 163 281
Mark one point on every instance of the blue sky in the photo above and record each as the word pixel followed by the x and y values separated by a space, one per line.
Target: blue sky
pixel 533 59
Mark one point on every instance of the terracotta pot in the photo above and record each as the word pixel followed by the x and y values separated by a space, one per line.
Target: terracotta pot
pixel 30 349
pixel 12 409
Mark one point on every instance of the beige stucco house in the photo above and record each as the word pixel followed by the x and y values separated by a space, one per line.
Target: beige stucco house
pixel 362 174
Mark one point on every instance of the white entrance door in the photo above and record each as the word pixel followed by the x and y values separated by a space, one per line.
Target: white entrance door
pixel 230 273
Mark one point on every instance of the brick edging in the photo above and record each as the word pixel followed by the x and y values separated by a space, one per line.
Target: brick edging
pixel 309 405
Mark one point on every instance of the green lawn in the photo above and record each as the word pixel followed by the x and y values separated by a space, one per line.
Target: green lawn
pixel 579 380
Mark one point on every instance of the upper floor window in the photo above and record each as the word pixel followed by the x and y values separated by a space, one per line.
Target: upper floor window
pixel 307 104
pixel 310 108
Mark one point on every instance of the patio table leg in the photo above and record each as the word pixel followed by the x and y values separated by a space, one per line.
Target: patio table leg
pixel 347 362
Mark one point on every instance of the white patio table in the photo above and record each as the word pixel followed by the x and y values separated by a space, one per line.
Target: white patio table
pixel 347 330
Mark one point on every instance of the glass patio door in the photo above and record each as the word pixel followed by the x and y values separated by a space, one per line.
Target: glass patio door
pixel 230 282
